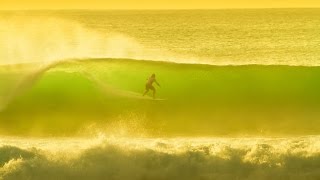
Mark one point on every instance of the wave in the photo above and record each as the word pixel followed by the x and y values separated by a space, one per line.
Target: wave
pixel 25 83
pixel 31 78
pixel 206 99
pixel 176 158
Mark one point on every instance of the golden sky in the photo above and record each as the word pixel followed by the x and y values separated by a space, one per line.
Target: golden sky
pixel 154 4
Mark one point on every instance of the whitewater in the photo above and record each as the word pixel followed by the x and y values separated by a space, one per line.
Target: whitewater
pixel 139 158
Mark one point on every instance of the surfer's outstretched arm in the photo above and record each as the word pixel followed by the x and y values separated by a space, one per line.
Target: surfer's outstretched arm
pixel 157 83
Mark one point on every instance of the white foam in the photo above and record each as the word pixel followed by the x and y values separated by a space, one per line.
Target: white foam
pixel 160 158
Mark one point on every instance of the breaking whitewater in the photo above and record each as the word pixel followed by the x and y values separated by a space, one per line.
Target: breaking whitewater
pixel 158 158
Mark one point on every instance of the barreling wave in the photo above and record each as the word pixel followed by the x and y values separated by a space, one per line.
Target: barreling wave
pixel 25 83
pixel 206 99
pixel 147 158
pixel 31 78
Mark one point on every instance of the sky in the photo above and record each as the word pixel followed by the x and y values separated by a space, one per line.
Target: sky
pixel 155 4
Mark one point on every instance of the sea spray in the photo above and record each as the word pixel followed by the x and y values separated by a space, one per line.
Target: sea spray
pixel 160 158
pixel 219 37
pixel 25 39
pixel 26 82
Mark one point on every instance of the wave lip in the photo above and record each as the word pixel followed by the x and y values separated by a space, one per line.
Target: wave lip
pixel 176 158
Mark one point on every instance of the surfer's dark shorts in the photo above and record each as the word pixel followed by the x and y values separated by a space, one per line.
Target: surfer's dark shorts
pixel 149 86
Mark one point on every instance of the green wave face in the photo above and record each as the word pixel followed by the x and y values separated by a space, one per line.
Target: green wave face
pixel 196 100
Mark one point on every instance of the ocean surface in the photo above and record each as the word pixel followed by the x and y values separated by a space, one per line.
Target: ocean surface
pixel 222 37
pixel 239 96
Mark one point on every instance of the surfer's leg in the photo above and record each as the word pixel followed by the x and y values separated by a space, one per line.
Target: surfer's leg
pixel 154 91
pixel 154 94
pixel 147 90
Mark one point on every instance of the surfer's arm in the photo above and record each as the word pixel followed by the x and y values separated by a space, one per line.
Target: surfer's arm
pixel 157 83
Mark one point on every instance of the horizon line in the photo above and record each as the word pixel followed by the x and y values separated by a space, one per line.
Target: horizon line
pixel 155 9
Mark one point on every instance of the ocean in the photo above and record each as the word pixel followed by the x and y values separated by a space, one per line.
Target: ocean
pixel 239 95
pixel 220 37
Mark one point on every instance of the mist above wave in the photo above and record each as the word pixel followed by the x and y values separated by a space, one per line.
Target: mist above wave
pixel 268 37
pixel 25 39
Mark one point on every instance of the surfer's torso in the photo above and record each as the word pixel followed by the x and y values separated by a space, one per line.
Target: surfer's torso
pixel 150 81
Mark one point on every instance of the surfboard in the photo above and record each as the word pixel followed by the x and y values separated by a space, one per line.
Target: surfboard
pixel 159 99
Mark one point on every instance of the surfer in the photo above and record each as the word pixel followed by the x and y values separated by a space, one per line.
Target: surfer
pixel 149 85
